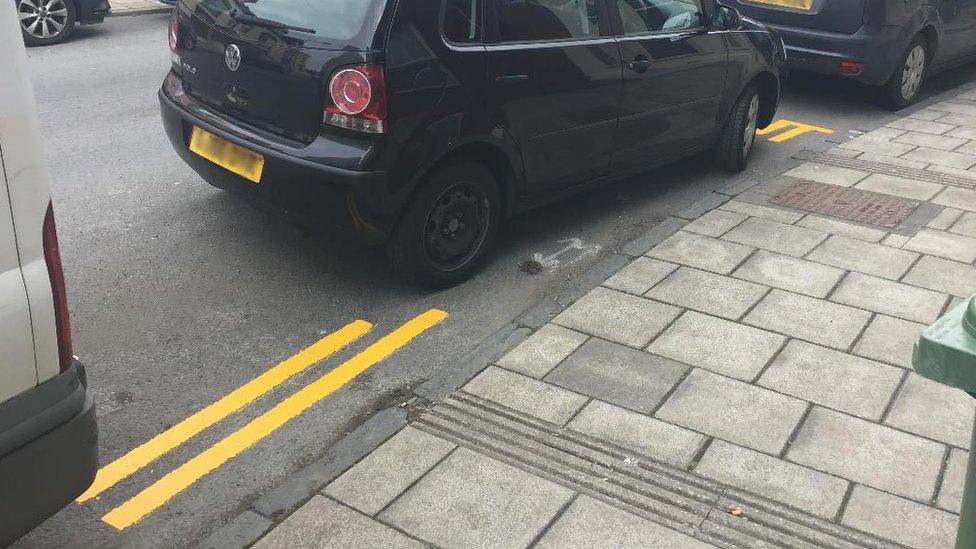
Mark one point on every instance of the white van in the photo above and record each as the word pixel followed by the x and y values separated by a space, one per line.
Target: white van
pixel 48 436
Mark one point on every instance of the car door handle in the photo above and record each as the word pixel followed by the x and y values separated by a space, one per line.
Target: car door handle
pixel 512 78
pixel 639 64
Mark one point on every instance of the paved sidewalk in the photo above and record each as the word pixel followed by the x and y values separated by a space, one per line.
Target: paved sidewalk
pixel 138 7
pixel 746 381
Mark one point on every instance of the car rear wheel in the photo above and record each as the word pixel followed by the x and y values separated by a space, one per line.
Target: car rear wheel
pixel 448 226
pixel 46 22
pixel 902 89
pixel 739 134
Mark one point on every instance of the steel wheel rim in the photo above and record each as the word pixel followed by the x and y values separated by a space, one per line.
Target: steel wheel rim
pixel 43 18
pixel 753 120
pixel 456 226
pixel 911 77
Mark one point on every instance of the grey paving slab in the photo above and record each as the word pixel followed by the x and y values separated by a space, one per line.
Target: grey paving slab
pixel 542 351
pixel 879 146
pixel 925 126
pixel 734 411
pixel 895 240
pixel 950 494
pixel 808 318
pixel 529 396
pixel 841 228
pixel 942 244
pixel 715 223
pixel 774 478
pixel 619 375
pixel 776 237
pixel 322 523
pixel 885 159
pixel 380 476
pixel 942 275
pixel 701 252
pixel 884 134
pixel 789 273
pixel 591 523
pixel 965 225
pixel 764 212
pixel 846 153
pixel 471 500
pixel 935 411
pixel 931 141
pixel 638 433
pixel 962 131
pixel 956 172
pixel 241 531
pixel 617 316
pixel 890 298
pixel 729 348
pixel 957 118
pixel 900 186
pixel 927 114
pixel 946 218
pixel 868 453
pixel 837 380
pixel 955 108
pixel 823 173
pixel 708 292
pixel 954 197
pixel 898 519
pixel 890 340
pixel 942 158
pixel 640 276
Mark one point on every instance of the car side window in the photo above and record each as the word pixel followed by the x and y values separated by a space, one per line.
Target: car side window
pixel 462 21
pixel 543 20
pixel 644 16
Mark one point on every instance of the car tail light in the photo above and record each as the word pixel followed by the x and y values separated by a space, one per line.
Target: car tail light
pixel 174 32
pixel 851 68
pixel 357 99
pixel 54 270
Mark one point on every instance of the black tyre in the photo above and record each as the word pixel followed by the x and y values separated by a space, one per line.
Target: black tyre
pixel 447 227
pixel 739 134
pixel 46 22
pixel 902 89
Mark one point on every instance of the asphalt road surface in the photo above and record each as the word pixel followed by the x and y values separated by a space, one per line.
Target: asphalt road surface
pixel 180 293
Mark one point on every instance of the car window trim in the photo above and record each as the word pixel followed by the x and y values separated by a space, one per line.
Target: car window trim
pixel 560 43
pixel 482 28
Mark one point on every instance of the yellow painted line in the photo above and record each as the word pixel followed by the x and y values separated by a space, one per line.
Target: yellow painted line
pixel 162 443
pixel 793 128
pixel 179 479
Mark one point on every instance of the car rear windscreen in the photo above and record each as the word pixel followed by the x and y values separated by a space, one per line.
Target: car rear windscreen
pixel 342 21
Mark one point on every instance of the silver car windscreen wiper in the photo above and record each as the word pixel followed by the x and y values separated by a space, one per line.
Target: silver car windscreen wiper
pixel 243 17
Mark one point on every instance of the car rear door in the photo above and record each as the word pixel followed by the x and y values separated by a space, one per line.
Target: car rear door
pixel 18 371
pixel 959 29
pixel 554 72
pixel 674 78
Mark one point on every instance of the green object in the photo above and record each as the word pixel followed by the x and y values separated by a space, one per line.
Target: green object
pixel 946 352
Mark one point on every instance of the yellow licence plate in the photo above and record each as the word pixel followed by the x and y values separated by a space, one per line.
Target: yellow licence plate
pixel 804 5
pixel 245 163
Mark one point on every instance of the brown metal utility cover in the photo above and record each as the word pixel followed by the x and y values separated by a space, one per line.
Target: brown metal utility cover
pixel 852 204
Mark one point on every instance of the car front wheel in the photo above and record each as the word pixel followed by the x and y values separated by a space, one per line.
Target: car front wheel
pixel 46 22
pixel 739 134
pixel 448 226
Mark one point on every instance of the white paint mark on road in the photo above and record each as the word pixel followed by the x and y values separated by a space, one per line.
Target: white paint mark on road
pixel 573 250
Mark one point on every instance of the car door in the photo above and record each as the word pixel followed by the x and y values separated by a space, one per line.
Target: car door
pixel 17 367
pixel 673 80
pixel 554 72
pixel 959 28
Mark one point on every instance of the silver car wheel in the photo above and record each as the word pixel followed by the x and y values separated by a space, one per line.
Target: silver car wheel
pixel 911 78
pixel 42 18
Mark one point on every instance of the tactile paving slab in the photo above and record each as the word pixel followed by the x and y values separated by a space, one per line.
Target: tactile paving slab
pixel 851 204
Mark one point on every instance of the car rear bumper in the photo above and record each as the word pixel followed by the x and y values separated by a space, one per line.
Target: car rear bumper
pixel 302 182
pixel 48 451
pixel 822 51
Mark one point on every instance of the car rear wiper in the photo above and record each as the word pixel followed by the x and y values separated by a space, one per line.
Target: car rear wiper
pixel 270 23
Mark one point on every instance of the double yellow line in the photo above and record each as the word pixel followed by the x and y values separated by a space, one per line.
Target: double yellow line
pixel 185 475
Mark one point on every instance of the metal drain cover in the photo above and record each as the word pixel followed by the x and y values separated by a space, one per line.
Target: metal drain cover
pixel 855 205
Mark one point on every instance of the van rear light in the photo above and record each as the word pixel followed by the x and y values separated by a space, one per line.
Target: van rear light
pixel 174 32
pixel 54 270
pixel 357 99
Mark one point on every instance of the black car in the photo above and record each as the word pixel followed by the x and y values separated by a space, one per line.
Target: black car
pixel 423 124
pixel 891 44
pixel 46 22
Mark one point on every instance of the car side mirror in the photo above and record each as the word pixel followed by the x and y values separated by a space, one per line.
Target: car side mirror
pixel 727 17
